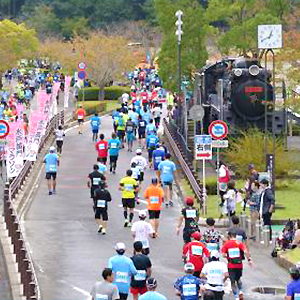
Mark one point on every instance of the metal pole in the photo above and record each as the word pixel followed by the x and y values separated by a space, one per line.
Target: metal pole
pixel 266 109
pixel 285 114
pixel 221 90
pixel 204 188
pixel 179 73
pixel 273 126
pixel 218 172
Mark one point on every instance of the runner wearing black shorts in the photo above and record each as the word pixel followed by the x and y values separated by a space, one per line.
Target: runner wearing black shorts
pixel 154 214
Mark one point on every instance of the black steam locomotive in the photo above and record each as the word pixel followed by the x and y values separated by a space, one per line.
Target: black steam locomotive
pixel 235 90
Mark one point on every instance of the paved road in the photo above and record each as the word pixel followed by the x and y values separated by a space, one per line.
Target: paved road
pixel 68 252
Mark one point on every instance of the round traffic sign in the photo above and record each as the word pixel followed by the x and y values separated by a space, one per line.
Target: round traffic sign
pixel 82 66
pixel 81 75
pixel 4 129
pixel 218 129
pixel 197 113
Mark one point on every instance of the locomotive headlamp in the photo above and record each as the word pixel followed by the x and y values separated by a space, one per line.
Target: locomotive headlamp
pixel 254 70
pixel 238 72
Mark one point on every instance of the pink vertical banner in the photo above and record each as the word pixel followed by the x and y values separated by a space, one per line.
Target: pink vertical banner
pixel 20 111
pixel 33 122
pixel 55 89
pixel 41 98
pixel 11 151
pixel 19 144
pixel 67 91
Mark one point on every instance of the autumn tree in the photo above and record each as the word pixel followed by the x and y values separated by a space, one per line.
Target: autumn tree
pixel 17 42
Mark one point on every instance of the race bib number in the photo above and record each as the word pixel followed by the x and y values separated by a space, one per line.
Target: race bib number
pixel 297 296
pixel 96 181
pixel 101 297
pixel 212 246
pixel 113 145
pixel 189 290
pixel 101 147
pixel 154 200
pixel 197 250
pixel 191 213
pixel 129 128
pixel 158 159
pixel 152 140
pixel 94 123
pixel 80 117
pixel 142 124
pixel 234 253
pixel 128 187
pixel 101 203
pixel 239 238
pixel 140 276
pixel 145 244
pixel 52 168
pixel 122 277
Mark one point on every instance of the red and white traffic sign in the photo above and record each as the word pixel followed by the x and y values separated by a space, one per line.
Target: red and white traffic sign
pixel 218 129
pixel 4 129
pixel 82 66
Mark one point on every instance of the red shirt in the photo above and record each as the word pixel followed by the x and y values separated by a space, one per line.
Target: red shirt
pixel 235 252
pixel 142 76
pixel 133 96
pixel 144 96
pixel 194 252
pixel 154 95
pixel 101 147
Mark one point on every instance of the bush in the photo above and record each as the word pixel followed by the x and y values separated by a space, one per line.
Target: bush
pixel 111 92
pixel 93 107
pixel 249 148
pixel 211 185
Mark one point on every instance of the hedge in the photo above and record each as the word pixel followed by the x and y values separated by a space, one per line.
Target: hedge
pixel 111 93
pixel 92 108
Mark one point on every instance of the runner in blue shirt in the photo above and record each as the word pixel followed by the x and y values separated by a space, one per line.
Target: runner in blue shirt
pixel 115 117
pixel 101 166
pixel 95 125
pixel 146 115
pixel 166 174
pixel 52 162
pixel 151 128
pixel 293 288
pixel 151 141
pixel 151 285
pixel 123 268
pixel 114 146
pixel 158 156
pixel 188 286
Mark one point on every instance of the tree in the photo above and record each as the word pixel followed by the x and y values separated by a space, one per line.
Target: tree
pixel 241 18
pixel 75 26
pixel 194 27
pixel 17 42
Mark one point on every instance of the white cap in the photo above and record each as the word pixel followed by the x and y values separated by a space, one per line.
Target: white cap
pixel 215 253
pixel 120 246
pixel 52 149
pixel 142 214
pixel 189 267
pixel 138 151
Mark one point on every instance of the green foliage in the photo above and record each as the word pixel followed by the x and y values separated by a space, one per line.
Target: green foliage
pixel 249 148
pixel 94 107
pixel 193 49
pixel 111 93
pixel 211 185
pixel 74 26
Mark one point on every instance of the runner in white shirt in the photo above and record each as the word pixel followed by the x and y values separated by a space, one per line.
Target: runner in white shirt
pixel 125 98
pixel 141 162
pixel 216 273
pixel 59 133
pixel 142 230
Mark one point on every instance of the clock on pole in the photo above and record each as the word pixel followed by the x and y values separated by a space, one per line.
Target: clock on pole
pixel 269 36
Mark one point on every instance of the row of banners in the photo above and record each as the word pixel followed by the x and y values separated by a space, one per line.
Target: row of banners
pixel 20 148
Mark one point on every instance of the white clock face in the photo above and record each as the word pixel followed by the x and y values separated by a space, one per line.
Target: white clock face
pixel 269 36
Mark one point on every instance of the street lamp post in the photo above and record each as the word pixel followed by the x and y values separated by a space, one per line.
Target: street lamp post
pixel 179 33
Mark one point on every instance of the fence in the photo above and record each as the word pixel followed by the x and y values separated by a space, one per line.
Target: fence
pixel 23 259
pixel 184 157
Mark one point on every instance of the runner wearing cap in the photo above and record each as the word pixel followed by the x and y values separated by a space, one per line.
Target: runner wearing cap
pixel 101 197
pixel 102 148
pixel 140 162
pixel 143 266
pixel 235 251
pixel 123 268
pixel 129 187
pixel 190 216
pixel 154 195
pixel 196 253
pixel 167 171
pixel 105 289
pixel 158 156
pixel 80 117
pixel 52 162
pixel 151 285
pixel 188 286
pixel 142 230
pixel 215 273
pixel 293 288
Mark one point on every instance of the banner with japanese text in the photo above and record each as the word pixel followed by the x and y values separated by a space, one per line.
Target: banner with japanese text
pixel 30 149
pixel 12 170
pixel 19 144
pixel 67 91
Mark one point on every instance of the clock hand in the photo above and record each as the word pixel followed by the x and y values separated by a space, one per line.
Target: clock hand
pixel 268 37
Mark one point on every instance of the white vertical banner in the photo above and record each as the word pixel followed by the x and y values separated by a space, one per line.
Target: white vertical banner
pixel 67 91
pixel 19 142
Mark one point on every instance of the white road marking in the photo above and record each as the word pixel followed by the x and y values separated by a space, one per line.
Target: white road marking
pixel 77 289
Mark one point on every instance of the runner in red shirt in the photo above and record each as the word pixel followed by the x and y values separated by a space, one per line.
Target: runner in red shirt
pixel 195 252
pixel 142 76
pixel 102 149
pixel 144 96
pixel 235 252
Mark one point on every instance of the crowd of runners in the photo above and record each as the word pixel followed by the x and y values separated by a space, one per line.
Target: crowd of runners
pixel 138 123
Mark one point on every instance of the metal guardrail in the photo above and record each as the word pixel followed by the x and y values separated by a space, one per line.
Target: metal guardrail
pixel 187 167
pixel 23 258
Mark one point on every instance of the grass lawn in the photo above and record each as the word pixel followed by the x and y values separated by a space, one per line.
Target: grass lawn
pixel 289 197
pixel 292 255
pixel 110 104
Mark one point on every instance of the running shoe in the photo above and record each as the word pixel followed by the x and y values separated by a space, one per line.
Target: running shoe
pixel 241 296
pixel 50 193
pixel 129 224
pixel 100 228
pixel 103 231
pixel 126 223
pixel 171 203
